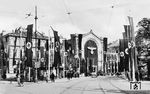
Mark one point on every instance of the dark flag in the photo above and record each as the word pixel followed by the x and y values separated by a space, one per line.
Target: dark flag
pixel 73 43
pixel 29 45
pixel 105 50
pixel 80 41
pixel 57 58
pixel 68 46
pixel 105 44
pixel 14 51
pixel 46 54
pixel 43 66
pixel 133 54
pixel 127 31
pixel 122 55
pixel 46 45
pixel 39 44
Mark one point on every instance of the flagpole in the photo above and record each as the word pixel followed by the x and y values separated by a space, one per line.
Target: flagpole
pixel 36 79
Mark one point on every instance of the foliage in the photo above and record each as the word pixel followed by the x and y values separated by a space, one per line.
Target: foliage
pixel 143 33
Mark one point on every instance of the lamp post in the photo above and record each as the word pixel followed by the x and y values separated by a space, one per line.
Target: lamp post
pixel 36 59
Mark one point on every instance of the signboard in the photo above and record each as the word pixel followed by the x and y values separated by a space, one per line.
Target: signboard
pixel 135 85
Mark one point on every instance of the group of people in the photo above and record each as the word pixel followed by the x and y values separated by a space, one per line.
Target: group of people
pixel 52 77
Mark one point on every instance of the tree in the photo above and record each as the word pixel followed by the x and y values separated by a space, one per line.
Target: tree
pixel 143 34
pixel 143 40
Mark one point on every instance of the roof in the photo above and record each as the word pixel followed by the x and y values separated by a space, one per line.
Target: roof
pixel 113 44
pixel 91 32
pixel 24 34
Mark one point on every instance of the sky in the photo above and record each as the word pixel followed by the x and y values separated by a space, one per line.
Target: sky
pixel 105 17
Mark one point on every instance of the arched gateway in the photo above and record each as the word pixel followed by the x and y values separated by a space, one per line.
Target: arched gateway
pixel 92 52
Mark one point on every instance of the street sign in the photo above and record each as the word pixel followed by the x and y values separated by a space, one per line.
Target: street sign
pixel 135 85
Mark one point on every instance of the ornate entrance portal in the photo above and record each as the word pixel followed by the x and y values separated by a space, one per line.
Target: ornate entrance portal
pixel 91 56
pixel 92 53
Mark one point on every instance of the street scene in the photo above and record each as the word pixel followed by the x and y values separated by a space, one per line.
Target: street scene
pixel 61 47
pixel 84 85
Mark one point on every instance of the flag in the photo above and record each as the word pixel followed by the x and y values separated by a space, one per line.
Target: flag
pixel 39 44
pixel 80 41
pixel 105 50
pixel 57 58
pixel 133 54
pixel 47 45
pixel 29 45
pixel 1 42
pixel 43 65
pixel 14 51
pixel 68 45
pixel 131 27
pixel 105 44
pixel 122 55
pixel 73 43
pixel 46 54
pixel 127 31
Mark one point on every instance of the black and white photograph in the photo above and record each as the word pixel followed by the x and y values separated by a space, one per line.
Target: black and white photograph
pixel 74 47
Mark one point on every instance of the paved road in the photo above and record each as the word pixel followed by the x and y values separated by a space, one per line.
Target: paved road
pixel 85 85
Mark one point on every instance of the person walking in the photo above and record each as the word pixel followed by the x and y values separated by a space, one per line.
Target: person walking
pixel 46 78
pixel 52 76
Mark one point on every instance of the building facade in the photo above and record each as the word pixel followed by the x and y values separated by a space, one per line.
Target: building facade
pixel 16 46
pixel 92 52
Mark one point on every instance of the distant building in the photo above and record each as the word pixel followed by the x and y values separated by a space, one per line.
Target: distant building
pixel 16 41
pixel 112 57
pixel 92 52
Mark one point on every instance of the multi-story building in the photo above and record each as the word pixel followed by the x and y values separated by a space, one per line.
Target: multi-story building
pixel 112 58
pixel 16 45
pixel 90 54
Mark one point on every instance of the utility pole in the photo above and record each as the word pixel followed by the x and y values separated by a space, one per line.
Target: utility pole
pixel 36 59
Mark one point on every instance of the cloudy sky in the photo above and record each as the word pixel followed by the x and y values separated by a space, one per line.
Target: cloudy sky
pixel 105 17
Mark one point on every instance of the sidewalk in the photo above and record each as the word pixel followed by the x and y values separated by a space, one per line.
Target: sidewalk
pixel 56 81
pixel 124 85
pixel 145 85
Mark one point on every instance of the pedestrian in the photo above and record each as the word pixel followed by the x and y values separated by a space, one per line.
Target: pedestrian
pixel 46 78
pixel 52 76
pixel 68 75
pixel 21 79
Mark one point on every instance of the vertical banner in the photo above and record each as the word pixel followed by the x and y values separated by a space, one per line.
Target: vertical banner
pixel 105 50
pixel 29 46
pixel 57 58
pixel 73 43
pixel 133 51
pixel 14 51
pixel 122 55
pixel 47 54
pixel 80 41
